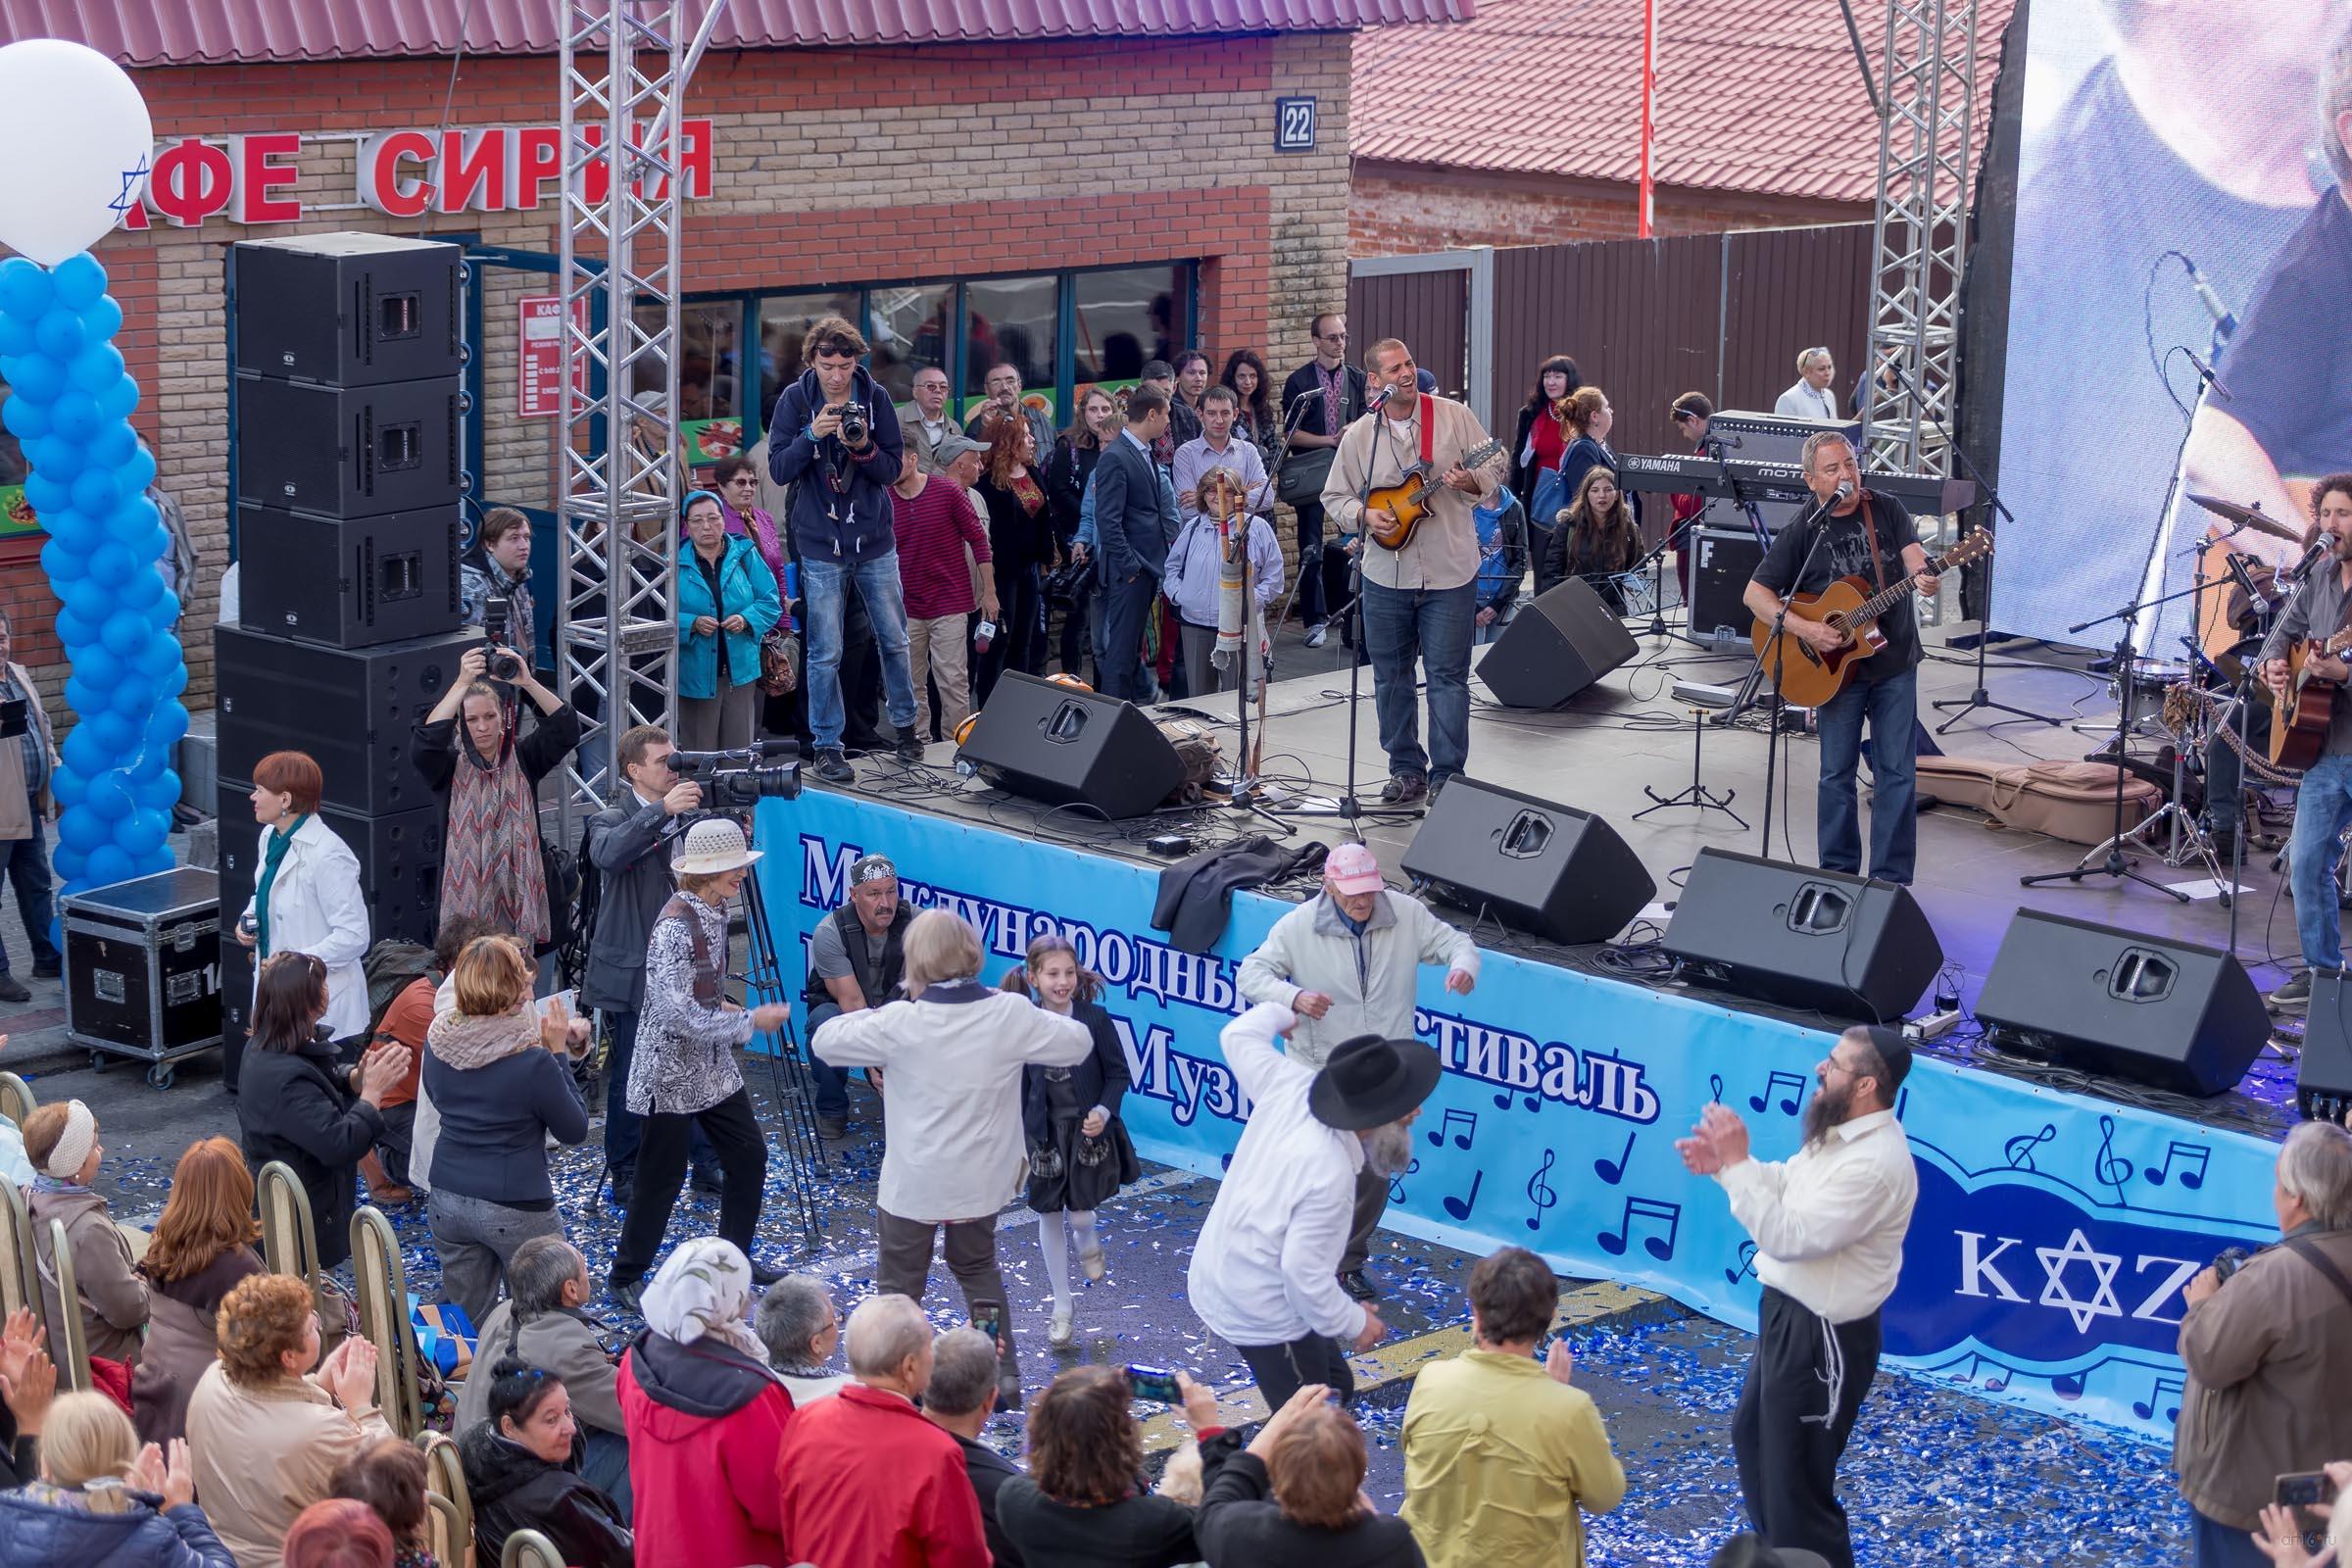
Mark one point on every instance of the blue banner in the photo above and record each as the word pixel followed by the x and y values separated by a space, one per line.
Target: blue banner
pixel 2044 1261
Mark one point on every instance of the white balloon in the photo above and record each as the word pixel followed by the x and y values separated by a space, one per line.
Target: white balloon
pixel 75 138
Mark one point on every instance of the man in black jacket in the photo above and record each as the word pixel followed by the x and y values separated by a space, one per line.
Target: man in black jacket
pixel 960 1398
pixel 1135 521
pixel 630 843
pixel 842 527
pixel 1320 400
pixel 856 959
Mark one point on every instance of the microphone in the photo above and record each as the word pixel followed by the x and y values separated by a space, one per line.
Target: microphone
pixel 2236 564
pixel 2213 378
pixel 2317 553
pixel 2225 319
pixel 1379 399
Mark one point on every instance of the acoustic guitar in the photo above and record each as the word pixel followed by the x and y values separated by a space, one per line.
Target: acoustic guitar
pixel 2300 711
pixel 1806 675
pixel 1407 500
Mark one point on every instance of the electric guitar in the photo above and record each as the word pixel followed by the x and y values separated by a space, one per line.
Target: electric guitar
pixel 1809 676
pixel 2301 709
pixel 1407 500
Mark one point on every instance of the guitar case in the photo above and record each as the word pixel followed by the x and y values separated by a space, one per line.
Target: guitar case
pixel 2074 802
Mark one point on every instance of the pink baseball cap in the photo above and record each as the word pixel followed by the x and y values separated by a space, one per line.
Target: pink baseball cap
pixel 1351 868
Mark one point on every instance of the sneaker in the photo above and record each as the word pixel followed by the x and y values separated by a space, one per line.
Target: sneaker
pixel 1315 634
pixel 47 969
pixel 833 768
pixel 1403 789
pixel 1090 1258
pixel 1063 1331
pixel 13 989
pixel 2295 995
pixel 909 748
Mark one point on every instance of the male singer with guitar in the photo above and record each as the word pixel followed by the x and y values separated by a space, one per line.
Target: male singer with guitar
pixel 1867 534
pixel 1420 597
pixel 2320 607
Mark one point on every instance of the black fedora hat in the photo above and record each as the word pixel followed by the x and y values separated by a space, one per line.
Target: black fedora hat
pixel 1369 1082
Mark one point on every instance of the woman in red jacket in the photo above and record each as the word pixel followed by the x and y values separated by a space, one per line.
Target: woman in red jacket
pixel 705 1416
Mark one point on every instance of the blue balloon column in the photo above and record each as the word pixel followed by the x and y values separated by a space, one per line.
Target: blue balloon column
pixel 69 404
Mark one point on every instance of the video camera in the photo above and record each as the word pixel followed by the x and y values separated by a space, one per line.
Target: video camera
pixel 739 779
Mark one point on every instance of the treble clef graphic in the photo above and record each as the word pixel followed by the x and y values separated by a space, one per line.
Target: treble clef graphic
pixel 1539 1192
pixel 2112 1169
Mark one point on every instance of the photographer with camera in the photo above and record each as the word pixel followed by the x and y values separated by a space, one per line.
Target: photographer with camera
pixel 2259 1340
pixel 497 566
pixel 835 438
pixel 492 864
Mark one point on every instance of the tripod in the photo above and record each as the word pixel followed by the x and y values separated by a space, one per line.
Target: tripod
pixel 790 1084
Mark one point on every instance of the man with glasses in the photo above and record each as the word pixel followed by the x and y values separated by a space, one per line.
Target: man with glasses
pixel 1003 384
pixel 1811 398
pixel 925 421
pixel 1829 1225
pixel 1320 400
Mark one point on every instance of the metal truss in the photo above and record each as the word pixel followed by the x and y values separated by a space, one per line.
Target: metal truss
pixel 1928 102
pixel 617 630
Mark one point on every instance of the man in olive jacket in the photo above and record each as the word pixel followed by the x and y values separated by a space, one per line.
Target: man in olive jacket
pixel 2266 1353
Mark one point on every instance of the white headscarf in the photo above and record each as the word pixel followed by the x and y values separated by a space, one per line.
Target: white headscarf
pixel 704 1289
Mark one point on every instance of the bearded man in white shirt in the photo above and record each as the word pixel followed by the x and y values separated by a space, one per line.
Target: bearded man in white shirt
pixel 1829 1225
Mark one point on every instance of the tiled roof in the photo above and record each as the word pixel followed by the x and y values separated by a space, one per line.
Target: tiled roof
pixel 156 32
pixel 1753 95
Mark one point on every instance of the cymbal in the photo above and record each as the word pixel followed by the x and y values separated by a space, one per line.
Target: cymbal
pixel 2253 517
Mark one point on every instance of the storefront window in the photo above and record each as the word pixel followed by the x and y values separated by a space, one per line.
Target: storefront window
pixel 1010 322
pixel 784 323
pixel 15 513
pixel 1125 318
pixel 911 328
pixel 709 381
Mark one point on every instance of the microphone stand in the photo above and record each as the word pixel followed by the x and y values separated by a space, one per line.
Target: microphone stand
pixel 1779 655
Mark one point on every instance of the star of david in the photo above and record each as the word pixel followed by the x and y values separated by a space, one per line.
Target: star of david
pixel 131 185
pixel 2054 1263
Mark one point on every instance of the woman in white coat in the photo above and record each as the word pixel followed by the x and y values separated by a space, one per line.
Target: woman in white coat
pixel 306 894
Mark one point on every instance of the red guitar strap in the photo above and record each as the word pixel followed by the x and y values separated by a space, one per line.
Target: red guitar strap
pixel 1429 427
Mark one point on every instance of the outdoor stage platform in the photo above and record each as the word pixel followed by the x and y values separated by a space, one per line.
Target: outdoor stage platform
pixel 2058 1215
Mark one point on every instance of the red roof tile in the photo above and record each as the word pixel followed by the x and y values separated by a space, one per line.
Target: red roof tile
pixel 155 32
pixel 1753 95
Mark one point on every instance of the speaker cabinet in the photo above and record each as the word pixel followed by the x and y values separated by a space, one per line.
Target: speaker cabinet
pixel 1802 938
pixel 347 452
pixel 350 708
pixel 400 866
pixel 1727 558
pixel 348 584
pixel 1558 644
pixel 2324 1077
pixel 1543 868
pixel 1068 746
pixel 347 310
pixel 2172 1015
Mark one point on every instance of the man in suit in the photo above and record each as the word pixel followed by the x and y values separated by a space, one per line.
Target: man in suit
pixel 1320 400
pixel 1135 521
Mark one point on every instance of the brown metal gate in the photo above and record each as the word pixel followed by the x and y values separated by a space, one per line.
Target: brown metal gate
pixel 1429 311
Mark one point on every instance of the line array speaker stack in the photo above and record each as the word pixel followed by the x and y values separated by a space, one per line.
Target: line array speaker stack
pixel 350 354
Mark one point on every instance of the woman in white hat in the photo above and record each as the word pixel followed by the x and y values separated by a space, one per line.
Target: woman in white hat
pixel 684 1072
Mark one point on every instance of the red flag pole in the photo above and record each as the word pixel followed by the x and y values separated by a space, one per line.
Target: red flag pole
pixel 1649 93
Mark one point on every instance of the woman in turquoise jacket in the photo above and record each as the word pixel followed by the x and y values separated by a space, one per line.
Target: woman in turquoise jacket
pixel 727 602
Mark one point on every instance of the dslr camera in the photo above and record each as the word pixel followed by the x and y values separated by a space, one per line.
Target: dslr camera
pixel 857 425
pixel 738 780
pixel 500 659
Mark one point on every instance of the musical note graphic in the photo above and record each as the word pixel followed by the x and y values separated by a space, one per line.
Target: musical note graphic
pixel 1902 1101
pixel 1539 1192
pixel 1748 1265
pixel 2193 1158
pixel 1460 1207
pixel 1502 1101
pixel 2067 1385
pixel 1396 1182
pixel 1714 1089
pixel 2146 1409
pixel 1795 1083
pixel 2020 1150
pixel 1659 1247
pixel 2111 1169
pixel 1992 1383
pixel 1467 1120
pixel 1613 1171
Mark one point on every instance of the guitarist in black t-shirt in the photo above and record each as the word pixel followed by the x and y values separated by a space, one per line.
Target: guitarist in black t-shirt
pixel 1865 534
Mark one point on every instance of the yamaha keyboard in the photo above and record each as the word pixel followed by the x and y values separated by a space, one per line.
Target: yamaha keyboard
pixel 1926 493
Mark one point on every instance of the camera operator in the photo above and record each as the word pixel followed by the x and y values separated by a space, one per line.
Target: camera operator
pixel 629 843
pixel 2265 1343
pixel 491 863
pixel 856 959
pixel 835 438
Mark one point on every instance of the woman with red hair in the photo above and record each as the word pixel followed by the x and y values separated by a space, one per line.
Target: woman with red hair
pixel 306 894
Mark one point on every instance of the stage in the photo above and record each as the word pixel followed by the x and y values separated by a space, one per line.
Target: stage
pixel 2058 1216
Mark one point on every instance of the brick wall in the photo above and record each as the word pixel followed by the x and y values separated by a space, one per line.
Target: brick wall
pixel 834 166
pixel 1406 209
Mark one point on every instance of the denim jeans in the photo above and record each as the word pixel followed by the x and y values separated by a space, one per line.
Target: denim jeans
pixel 825 586
pixel 1892 706
pixel 605 1465
pixel 1432 624
pixel 2214 1544
pixel 475 1238
pixel 2322 809
pixel 25 862
pixel 832 1083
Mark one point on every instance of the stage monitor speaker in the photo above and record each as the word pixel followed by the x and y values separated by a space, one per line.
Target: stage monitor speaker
pixel 350 708
pixel 337 452
pixel 348 583
pixel 347 310
pixel 400 863
pixel 2324 1077
pixel 1064 746
pixel 1558 645
pixel 2172 1015
pixel 1547 869
pixel 1726 560
pixel 1783 933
